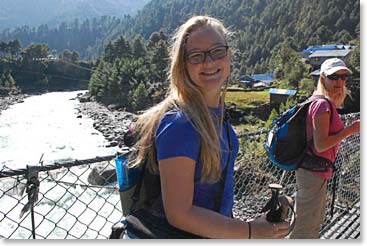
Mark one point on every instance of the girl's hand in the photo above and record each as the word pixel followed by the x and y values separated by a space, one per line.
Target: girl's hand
pixel 354 127
pixel 263 229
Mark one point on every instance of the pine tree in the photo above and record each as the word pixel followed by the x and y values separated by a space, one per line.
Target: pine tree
pixel 273 115
pixel 97 81
pixel 160 62
pixel 141 98
pixel 122 48
pixel 138 48
pixel 109 53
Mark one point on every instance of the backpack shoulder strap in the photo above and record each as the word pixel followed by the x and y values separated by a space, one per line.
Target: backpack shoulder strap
pixel 136 195
pixel 317 97
pixel 331 119
pixel 139 184
pixel 219 194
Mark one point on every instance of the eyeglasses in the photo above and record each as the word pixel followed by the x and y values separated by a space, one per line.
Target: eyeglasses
pixel 337 76
pixel 215 53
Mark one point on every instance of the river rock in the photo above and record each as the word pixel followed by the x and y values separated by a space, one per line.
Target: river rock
pixel 7 101
pixel 84 98
pixel 102 175
pixel 110 122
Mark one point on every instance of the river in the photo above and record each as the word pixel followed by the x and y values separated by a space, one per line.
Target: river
pixel 49 125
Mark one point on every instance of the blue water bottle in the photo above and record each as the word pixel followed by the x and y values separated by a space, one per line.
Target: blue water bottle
pixel 127 176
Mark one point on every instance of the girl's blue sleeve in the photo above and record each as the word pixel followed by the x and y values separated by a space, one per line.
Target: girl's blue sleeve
pixel 176 137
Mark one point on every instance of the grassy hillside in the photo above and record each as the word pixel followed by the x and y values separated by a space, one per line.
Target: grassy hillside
pixel 247 99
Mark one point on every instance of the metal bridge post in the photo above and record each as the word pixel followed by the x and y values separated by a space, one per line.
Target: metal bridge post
pixel 32 191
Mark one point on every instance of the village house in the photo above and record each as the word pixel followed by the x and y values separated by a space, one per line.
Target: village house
pixel 278 96
pixel 318 57
pixel 256 81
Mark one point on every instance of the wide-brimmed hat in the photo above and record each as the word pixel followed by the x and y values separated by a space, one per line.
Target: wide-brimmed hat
pixel 332 65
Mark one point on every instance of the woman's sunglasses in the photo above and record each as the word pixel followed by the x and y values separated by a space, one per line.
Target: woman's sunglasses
pixel 337 76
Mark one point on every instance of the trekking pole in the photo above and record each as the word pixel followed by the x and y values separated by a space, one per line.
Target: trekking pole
pixel 333 197
pixel 278 207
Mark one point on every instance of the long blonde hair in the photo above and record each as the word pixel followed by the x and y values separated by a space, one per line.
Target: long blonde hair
pixel 321 90
pixel 188 97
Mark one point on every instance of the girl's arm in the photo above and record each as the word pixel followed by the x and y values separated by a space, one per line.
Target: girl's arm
pixel 177 181
pixel 321 138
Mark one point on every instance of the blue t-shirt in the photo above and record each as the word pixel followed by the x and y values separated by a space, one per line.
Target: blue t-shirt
pixel 175 136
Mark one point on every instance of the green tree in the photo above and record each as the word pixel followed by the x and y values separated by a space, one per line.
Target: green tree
pixel 160 62
pixel 289 69
pixel 75 56
pixel 273 115
pixel 138 48
pixel 122 48
pixel 97 85
pixel 141 98
pixel 14 47
pixel 307 86
pixel 291 101
pixel 36 51
pixel 154 38
pixel 7 80
pixel 109 53
pixel 3 47
pixel 67 55
pixel 354 60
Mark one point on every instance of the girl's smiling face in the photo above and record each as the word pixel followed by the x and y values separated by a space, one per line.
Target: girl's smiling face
pixel 207 59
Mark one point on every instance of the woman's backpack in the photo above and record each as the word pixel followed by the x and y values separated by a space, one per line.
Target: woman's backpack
pixel 286 143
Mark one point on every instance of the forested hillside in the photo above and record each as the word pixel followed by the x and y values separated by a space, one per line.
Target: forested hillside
pixel 259 26
pixel 130 54
pixel 86 37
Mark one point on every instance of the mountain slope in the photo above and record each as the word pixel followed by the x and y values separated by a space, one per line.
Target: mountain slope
pixel 260 25
pixel 15 13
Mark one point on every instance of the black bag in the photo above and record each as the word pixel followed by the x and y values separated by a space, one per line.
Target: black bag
pixel 316 163
pixel 145 225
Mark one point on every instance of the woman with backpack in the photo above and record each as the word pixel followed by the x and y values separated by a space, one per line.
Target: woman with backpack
pixel 325 130
pixel 189 143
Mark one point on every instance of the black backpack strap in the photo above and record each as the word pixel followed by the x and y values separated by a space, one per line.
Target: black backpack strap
pixel 136 195
pixel 140 182
pixel 331 116
pixel 219 194
pixel 328 162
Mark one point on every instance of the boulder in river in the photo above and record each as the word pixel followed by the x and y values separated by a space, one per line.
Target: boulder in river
pixel 102 174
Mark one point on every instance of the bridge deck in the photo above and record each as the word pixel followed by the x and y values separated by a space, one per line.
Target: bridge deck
pixel 345 225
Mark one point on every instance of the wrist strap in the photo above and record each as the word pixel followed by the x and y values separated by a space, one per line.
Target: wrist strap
pixel 249 229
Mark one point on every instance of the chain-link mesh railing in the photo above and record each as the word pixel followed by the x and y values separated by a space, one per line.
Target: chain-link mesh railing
pixel 254 172
pixel 80 199
pixel 71 200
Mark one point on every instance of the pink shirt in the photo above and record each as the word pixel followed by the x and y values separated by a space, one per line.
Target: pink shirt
pixel 316 108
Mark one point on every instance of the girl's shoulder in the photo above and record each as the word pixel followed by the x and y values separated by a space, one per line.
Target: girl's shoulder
pixel 174 120
pixel 320 105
